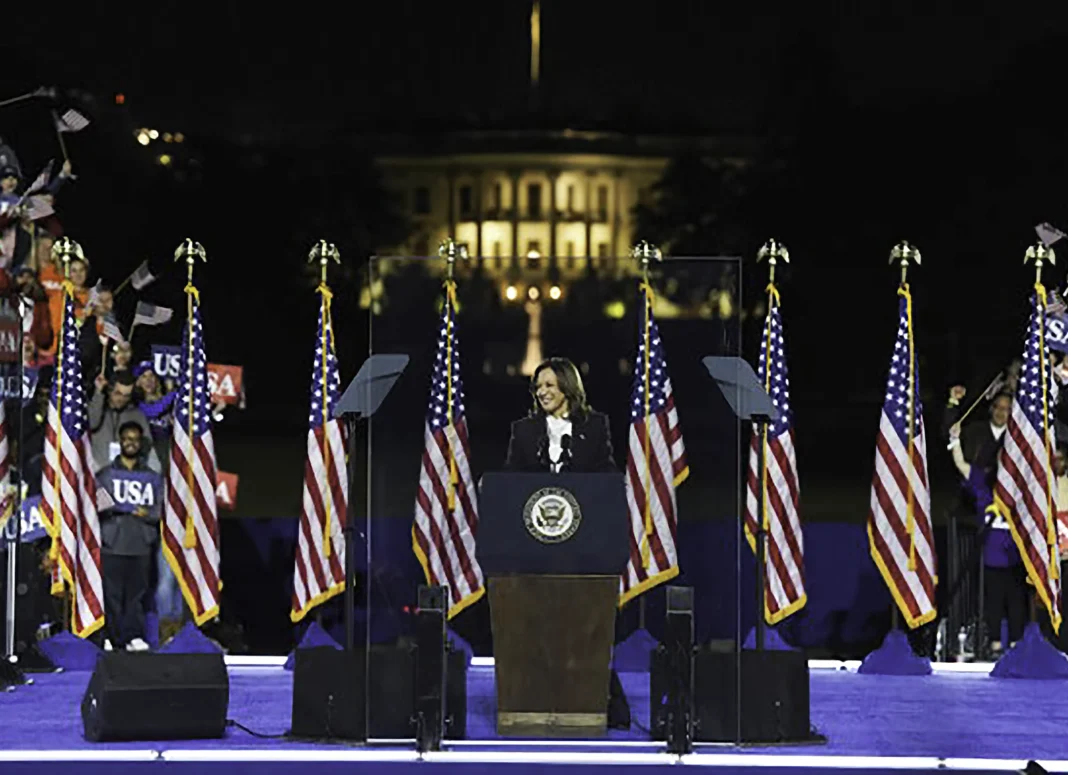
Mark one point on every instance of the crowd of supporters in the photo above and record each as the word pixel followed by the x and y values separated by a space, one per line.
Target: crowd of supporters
pixel 130 405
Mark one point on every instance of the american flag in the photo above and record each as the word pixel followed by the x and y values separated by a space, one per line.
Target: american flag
pixel 150 315
pixel 142 276
pixel 109 327
pixel 446 509
pixel 899 520
pixel 319 570
pixel 68 488
pixel 71 121
pixel 656 464
pixel 784 579
pixel 1025 486
pixel 190 522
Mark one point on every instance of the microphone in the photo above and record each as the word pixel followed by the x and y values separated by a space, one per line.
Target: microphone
pixel 543 452
pixel 565 452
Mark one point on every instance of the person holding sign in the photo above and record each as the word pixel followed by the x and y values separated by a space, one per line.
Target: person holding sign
pixel 128 494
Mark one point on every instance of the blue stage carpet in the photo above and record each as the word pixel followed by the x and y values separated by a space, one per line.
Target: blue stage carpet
pixel 954 716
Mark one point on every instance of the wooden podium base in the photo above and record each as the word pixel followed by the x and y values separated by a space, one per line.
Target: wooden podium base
pixel 552 645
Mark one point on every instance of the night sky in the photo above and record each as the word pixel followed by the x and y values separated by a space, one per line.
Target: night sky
pixel 933 127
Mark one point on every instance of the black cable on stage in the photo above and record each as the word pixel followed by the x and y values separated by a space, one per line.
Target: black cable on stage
pixel 231 723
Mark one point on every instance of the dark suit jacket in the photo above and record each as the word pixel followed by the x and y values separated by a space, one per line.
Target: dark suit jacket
pixel 591 445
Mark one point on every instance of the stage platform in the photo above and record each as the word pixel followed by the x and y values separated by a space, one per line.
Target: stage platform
pixel 957 720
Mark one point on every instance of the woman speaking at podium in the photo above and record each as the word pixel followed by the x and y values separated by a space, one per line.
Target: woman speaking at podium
pixel 562 434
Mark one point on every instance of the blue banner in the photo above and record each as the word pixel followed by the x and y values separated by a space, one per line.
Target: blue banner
pixel 32 526
pixel 128 491
pixel 166 360
pixel 9 382
pixel 1057 333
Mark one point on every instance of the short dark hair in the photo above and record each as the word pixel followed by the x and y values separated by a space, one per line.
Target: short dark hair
pixel 1002 394
pixel 124 377
pixel 131 425
pixel 570 382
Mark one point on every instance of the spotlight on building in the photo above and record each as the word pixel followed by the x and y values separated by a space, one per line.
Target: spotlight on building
pixel 533 293
pixel 533 254
pixel 555 293
pixel 511 293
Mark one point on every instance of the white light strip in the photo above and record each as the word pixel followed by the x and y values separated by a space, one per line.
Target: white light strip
pixel 813 664
pixel 289 755
pixel 245 660
pixel 813 761
pixel 1006 765
pixel 654 745
pixel 548 757
pixel 531 757
pixel 833 664
pixel 81 755
pixel 837 664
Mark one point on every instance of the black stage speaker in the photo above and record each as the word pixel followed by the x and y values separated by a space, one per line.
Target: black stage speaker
pixel 775 696
pixel 329 701
pixel 143 696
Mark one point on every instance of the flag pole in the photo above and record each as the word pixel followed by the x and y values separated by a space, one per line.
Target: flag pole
pixel 65 250
pixel 1040 254
pixel 645 252
pixel 190 251
pixel 772 250
pixel 125 282
pixel 450 251
pixel 904 253
pixel 323 252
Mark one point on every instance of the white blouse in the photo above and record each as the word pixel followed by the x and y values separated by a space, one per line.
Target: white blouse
pixel 558 427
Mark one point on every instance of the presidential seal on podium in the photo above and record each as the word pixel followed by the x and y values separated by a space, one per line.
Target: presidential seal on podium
pixel 552 515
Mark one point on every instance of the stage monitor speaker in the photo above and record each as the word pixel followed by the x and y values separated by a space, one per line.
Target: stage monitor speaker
pixel 144 696
pixel 329 700
pixel 774 699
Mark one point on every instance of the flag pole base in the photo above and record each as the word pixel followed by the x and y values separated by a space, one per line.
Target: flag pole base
pixel 895 657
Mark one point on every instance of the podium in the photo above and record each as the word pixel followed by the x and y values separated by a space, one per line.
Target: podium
pixel 552 547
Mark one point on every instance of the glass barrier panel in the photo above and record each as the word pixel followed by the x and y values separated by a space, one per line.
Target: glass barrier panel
pixel 529 498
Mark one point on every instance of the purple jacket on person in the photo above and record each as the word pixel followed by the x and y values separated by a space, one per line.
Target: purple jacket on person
pixel 999 550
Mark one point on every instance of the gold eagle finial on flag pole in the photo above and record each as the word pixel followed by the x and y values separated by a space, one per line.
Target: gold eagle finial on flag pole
pixel 1040 254
pixel 450 251
pixel 323 252
pixel 773 250
pixel 66 250
pixel 644 253
pixel 904 253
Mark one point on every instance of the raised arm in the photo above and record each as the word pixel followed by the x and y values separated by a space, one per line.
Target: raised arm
pixel 962 465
